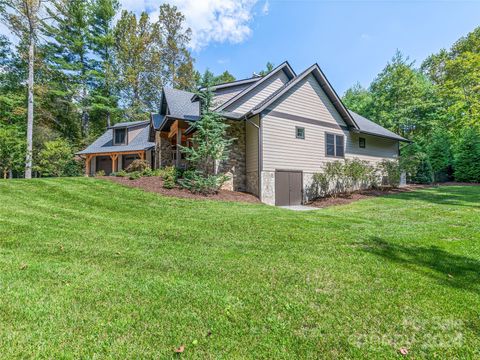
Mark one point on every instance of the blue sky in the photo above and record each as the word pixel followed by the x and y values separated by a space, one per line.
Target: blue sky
pixel 350 40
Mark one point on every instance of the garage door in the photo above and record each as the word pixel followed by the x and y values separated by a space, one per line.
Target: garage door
pixel 104 163
pixel 127 160
pixel 288 188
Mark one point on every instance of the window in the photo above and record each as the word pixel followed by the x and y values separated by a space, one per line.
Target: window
pixel 120 137
pixel 299 132
pixel 361 143
pixel 334 145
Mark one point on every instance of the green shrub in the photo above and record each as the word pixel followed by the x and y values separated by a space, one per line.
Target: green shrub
pixel 137 165
pixel 169 177
pixel 100 173
pixel 198 183
pixel 121 173
pixel 57 159
pixel 424 173
pixel 467 157
pixel 134 175
pixel 390 171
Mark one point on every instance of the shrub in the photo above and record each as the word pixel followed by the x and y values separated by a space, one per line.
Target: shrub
pixel 390 171
pixel 121 173
pixel 137 165
pixel 135 175
pixel 344 177
pixel 197 183
pixel 100 173
pixel 424 173
pixel 56 159
pixel 439 152
pixel 169 177
pixel 467 157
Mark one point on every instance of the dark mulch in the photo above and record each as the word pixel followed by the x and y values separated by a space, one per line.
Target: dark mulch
pixel 343 199
pixel 155 184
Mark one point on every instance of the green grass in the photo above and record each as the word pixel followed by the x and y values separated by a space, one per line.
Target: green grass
pixel 91 269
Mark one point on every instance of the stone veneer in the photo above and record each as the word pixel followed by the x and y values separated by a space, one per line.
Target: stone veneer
pixel 163 151
pixel 235 167
pixel 252 182
pixel 268 187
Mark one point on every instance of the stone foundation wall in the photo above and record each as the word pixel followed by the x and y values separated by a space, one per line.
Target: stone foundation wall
pixel 252 182
pixel 235 167
pixel 268 187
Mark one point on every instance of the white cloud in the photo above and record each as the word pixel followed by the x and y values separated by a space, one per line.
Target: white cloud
pixel 266 7
pixel 210 20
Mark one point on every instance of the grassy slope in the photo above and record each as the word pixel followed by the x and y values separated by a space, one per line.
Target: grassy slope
pixel 92 269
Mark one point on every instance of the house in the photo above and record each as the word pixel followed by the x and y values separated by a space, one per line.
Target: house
pixel 286 128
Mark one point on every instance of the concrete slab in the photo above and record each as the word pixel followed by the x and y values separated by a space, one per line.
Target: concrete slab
pixel 299 207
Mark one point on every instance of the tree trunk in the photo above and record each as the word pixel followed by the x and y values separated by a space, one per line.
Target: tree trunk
pixel 108 120
pixel 5 171
pixel 10 174
pixel 28 159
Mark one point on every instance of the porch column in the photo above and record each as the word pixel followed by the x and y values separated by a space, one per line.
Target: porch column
pixel 114 158
pixel 87 165
pixel 177 149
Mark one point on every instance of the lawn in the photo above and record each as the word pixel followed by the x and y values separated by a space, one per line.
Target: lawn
pixel 92 269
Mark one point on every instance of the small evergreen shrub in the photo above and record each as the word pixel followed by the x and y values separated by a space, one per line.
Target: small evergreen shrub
pixel 134 175
pixel 169 177
pixel 100 173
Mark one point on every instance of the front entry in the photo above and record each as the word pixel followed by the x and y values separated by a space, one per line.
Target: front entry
pixel 288 188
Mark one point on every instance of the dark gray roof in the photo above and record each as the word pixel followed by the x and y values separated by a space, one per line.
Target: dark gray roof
pixel 157 120
pixel 104 144
pixel 180 104
pixel 129 124
pixel 369 127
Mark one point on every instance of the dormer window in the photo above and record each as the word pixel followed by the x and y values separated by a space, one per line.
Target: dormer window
pixel 120 136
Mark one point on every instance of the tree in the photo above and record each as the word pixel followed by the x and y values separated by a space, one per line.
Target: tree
pixel 440 154
pixel 224 77
pixel 177 63
pixel 404 101
pixel 210 148
pixel 359 99
pixel 68 53
pixel 12 149
pixel 102 45
pixel 268 69
pixel 24 18
pixel 209 78
pixel 467 157
pixel 138 61
pixel 56 158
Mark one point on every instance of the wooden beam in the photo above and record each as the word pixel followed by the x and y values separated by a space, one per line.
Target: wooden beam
pixel 114 158
pixel 87 165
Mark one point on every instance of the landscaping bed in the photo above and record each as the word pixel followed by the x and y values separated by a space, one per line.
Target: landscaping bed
pixel 155 184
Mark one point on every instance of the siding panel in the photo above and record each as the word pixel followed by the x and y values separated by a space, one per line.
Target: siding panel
pixel 259 94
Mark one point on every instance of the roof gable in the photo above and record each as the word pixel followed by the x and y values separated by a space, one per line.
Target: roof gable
pixel 285 66
pixel 324 84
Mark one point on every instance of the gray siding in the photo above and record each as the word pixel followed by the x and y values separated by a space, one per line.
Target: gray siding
pixel 259 94
pixel 281 149
pixel 223 95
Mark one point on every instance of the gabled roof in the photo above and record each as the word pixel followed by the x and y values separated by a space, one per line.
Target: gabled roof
pixel 180 104
pixel 370 128
pixel 324 84
pixel 129 124
pixel 285 66
pixel 104 144
pixel 234 83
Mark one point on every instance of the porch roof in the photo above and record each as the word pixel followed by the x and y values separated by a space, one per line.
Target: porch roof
pixel 104 144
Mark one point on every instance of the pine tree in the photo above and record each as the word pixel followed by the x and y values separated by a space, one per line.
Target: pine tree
pixel 102 44
pixel 69 52
pixel 440 154
pixel 211 147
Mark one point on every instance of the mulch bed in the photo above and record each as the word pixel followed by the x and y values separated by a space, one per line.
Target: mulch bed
pixel 344 199
pixel 155 184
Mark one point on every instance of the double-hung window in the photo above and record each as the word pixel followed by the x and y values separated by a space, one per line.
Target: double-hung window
pixel 334 145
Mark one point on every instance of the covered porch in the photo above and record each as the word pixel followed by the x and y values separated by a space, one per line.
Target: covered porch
pixel 171 133
pixel 111 162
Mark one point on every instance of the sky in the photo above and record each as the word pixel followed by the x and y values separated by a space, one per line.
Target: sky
pixel 350 40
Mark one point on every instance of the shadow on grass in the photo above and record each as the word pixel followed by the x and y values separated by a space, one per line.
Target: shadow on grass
pixel 448 269
pixel 468 196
